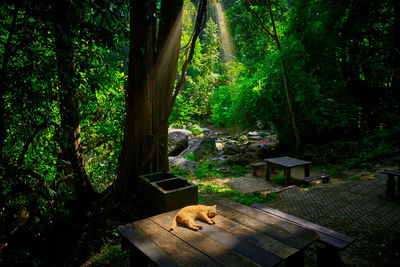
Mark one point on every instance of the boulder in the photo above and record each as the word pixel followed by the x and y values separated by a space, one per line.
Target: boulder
pixel 178 140
pixel 232 149
pixel 237 160
pixel 219 133
pixel 183 163
pixel 207 131
pixel 263 151
pixel 206 148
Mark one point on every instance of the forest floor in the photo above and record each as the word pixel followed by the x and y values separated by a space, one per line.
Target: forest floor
pixel 353 202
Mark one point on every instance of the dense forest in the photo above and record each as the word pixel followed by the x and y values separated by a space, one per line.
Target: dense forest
pixel 88 90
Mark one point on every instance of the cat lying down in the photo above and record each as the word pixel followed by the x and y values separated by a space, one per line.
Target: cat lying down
pixel 187 215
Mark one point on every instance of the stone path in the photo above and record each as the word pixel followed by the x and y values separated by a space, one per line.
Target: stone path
pixel 356 207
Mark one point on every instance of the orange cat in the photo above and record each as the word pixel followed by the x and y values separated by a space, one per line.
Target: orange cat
pixel 187 215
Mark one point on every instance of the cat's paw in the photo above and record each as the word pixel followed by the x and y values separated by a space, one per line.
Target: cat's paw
pixel 200 227
pixel 212 222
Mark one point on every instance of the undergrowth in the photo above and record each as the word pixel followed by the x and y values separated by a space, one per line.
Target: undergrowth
pixel 208 191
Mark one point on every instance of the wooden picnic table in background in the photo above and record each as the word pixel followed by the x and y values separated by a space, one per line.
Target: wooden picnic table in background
pixel 242 236
pixel 286 163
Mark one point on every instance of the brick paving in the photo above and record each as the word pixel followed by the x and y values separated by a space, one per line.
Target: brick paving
pixel 356 207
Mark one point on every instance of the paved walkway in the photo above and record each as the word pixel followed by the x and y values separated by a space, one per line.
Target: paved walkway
pixel 357 207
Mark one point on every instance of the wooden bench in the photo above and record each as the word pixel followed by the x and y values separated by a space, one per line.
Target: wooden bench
pixel 308 179
pixel 333 241
pixel 390 183
pixel 255 166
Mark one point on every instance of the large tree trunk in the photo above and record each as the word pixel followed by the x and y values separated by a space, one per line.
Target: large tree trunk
pixel 152 72
pixel 71 159
pixel 139 104
pixel 151 93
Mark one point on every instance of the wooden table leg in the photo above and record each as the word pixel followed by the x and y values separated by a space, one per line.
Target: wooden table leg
pixel 398 183
pixel 296 260
pixel 287 173
pixel 306 170
pixel 390 186
pixel 328 256
pixel 267 170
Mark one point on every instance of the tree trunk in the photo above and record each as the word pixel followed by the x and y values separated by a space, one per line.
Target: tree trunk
pixel 153 64
pixel 139 104
pixel 274 36
pixel 285 80
pixel 71 157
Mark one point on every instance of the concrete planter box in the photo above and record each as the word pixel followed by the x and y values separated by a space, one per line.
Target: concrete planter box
pixel 164 191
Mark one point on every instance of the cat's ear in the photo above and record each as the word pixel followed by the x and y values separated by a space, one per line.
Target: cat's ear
pixel 214 206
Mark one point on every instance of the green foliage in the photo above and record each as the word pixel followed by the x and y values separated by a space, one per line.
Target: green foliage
pixel 203 75
pixel 262 134
pixel 196 129
pixel 221 102
pixel 207 169
pixel 210 190
pixel 189 157
pixel 280 179
pixel 111 255
pixel 239 171
pixel 184 173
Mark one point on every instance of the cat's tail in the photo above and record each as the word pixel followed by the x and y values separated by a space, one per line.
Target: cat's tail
pixel 173 224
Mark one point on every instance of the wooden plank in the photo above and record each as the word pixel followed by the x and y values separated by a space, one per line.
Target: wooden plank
pixel 327 235
pixel 306 223
pixel 391 172
pixel 257 164
pixel 159 239
pixel 287 162
pixel 224 238
pixel 266 242
pixel 275 227
pixel 155 254
pixel 205 244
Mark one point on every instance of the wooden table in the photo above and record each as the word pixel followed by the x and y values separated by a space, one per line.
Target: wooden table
pixel 286 163
pixel 242 236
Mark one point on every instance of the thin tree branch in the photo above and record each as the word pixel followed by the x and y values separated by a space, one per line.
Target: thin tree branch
pixel 260 21
pixel 200 21
pixel 278 44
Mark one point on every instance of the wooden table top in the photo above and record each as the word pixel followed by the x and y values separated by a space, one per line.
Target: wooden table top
pixel 287 162
pixel 242 236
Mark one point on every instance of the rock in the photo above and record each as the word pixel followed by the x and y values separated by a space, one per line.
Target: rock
pixel 205 148
pixel 207 131
pixel 237 160
pixel 220 133
pixel 178 140
pixel 183 163
pixel 254 136
pixel 202 148
pixel 232 150
pixel 223 139
pixel 218 160
pixel 263 151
